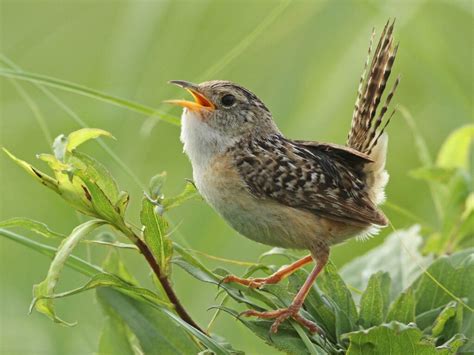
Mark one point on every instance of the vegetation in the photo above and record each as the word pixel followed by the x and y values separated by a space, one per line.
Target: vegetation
pixel 141 256
pixel 427 308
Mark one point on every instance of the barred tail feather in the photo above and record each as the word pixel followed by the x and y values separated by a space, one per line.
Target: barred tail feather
pixel 368 127
pixel 365 129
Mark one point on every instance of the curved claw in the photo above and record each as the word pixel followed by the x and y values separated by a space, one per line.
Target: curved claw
pixel 280 315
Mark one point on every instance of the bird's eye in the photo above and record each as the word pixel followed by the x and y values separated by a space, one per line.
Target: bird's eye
pixel 228 100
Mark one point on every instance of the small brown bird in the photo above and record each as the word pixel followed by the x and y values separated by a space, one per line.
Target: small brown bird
pixel 290 193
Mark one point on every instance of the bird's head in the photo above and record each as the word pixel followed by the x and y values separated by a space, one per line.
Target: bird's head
pixel 226 108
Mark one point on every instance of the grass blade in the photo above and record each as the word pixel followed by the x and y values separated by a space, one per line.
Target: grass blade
pixel 85 91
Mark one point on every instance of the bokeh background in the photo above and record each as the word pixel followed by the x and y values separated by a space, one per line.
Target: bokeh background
pixel 302 58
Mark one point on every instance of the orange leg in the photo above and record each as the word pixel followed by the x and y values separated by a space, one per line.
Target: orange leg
pixel 272 279
pixel 280 315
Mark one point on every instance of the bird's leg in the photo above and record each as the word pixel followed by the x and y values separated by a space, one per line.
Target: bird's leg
pixel 292 311
pixel 272 279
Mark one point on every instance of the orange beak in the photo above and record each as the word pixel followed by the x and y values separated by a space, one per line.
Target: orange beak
pixel 200 101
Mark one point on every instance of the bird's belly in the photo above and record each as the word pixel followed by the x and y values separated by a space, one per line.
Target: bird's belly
pixel 262 220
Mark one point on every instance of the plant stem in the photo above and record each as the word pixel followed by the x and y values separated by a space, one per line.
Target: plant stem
pixel 166 284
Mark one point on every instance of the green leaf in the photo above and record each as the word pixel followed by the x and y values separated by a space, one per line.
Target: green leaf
pixel 286 340
pixel 374 300
pixel 454 152
pixel 70 187
pixel 110 280
pixel 157 333
pixel 190 192
pixel 31 225
pixel 403 308
pixel 46 287
pixel 44 179
pixel 453 344
pixel 449 278
pixel 395 256
pixel 449 321
pixel 82 135
pixel 122 202
pixel 459 189
pixel 454 277
pixel 101 204
pixel 334 287
pixel 392 338
pixel 433 173
pixel 115 338
pixel 238 292
pixel 155 229
pixel 156 185
pixel 96 172
pixel 319 306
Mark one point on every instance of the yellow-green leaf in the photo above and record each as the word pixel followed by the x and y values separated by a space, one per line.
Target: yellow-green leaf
pixel 43 178
pixel 155 235
pixel 31 225
pixel 45 289
pixel 454 152
pixel 82 135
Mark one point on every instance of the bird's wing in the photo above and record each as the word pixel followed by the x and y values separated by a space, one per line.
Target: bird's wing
pixel 324 179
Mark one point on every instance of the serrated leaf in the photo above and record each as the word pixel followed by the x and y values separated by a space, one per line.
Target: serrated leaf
pixel 334 287
pixel 374 300
pixel 392 338
pixel 47 286
pixel 188 193
pixel 156 332
pixel 155 235
pixel 82 135
pixel 31 225
pixel 454 152
pixel 454 277
pixel 455 273
pixel 43 178
pixel 403 308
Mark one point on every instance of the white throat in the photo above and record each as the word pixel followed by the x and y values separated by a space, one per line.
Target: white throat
pixel 201 142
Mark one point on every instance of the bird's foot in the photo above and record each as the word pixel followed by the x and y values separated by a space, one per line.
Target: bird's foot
pixel 252 282
pixel 280 315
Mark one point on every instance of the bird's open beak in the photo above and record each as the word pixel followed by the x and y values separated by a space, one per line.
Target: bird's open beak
pixel 200 101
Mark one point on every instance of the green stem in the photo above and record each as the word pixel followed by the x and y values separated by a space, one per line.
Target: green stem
pixel 73 261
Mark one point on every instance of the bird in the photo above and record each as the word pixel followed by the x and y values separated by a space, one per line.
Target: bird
pixel 291 193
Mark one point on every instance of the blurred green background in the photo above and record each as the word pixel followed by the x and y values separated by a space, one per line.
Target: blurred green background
pixel 302 58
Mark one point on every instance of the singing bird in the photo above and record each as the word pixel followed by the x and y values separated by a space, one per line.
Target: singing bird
pixel 284 192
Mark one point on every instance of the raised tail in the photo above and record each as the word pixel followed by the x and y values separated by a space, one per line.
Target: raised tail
pixel 368 122
pixel 367 126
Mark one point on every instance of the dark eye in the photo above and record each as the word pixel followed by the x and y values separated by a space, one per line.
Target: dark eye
pixel 228 100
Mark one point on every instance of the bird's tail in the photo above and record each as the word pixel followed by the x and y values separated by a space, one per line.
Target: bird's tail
pixel 369 123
